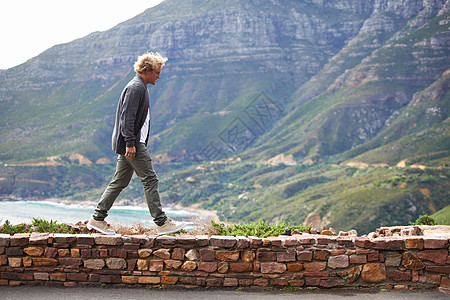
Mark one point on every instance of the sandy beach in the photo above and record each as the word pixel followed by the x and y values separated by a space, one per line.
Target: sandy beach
pixel 210 214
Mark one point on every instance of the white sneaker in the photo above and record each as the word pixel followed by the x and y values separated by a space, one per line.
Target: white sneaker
pixel 100 226
pixel 170 226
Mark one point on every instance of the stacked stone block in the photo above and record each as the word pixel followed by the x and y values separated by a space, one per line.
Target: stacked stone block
pixel 217 261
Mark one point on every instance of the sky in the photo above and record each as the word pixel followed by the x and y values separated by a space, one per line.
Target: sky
pixel 29 27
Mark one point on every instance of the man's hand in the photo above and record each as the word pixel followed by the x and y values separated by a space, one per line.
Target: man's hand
pixel 130 152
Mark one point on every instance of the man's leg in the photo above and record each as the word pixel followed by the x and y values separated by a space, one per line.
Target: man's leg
pixel 142 164
pixel 122 177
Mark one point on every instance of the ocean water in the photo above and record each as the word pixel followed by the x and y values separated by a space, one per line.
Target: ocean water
pixel 24 211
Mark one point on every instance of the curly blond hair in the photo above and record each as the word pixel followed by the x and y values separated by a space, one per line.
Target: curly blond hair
pixel 149 61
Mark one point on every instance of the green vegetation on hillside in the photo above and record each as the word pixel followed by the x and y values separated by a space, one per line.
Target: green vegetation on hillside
pixel 343 197
pixel 442 216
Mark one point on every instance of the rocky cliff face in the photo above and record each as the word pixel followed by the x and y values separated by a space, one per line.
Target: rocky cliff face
pixel 217 53
pixel 221 51
pixel 221 55
pixel 371 78
pixel 276 36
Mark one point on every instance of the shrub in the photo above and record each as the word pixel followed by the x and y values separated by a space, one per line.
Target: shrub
pixel 261 229
pixel 8 228
pixel 424 220
pixel 38 225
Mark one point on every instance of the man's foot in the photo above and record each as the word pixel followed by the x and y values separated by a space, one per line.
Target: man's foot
pixel 170 226
pixel 100 226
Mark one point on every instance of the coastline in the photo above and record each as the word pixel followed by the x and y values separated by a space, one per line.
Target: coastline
pixel 210 215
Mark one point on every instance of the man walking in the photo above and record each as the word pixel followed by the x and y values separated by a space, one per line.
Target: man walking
pixel 129 141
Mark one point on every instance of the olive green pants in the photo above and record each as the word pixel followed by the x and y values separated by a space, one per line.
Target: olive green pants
pixel 142 165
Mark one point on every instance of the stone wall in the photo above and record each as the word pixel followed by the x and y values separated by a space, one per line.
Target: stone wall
pixel 301 261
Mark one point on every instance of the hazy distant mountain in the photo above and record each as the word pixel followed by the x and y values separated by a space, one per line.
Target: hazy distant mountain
pixel 309 84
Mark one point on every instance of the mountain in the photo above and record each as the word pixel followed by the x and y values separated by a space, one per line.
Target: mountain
pixel 265 109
